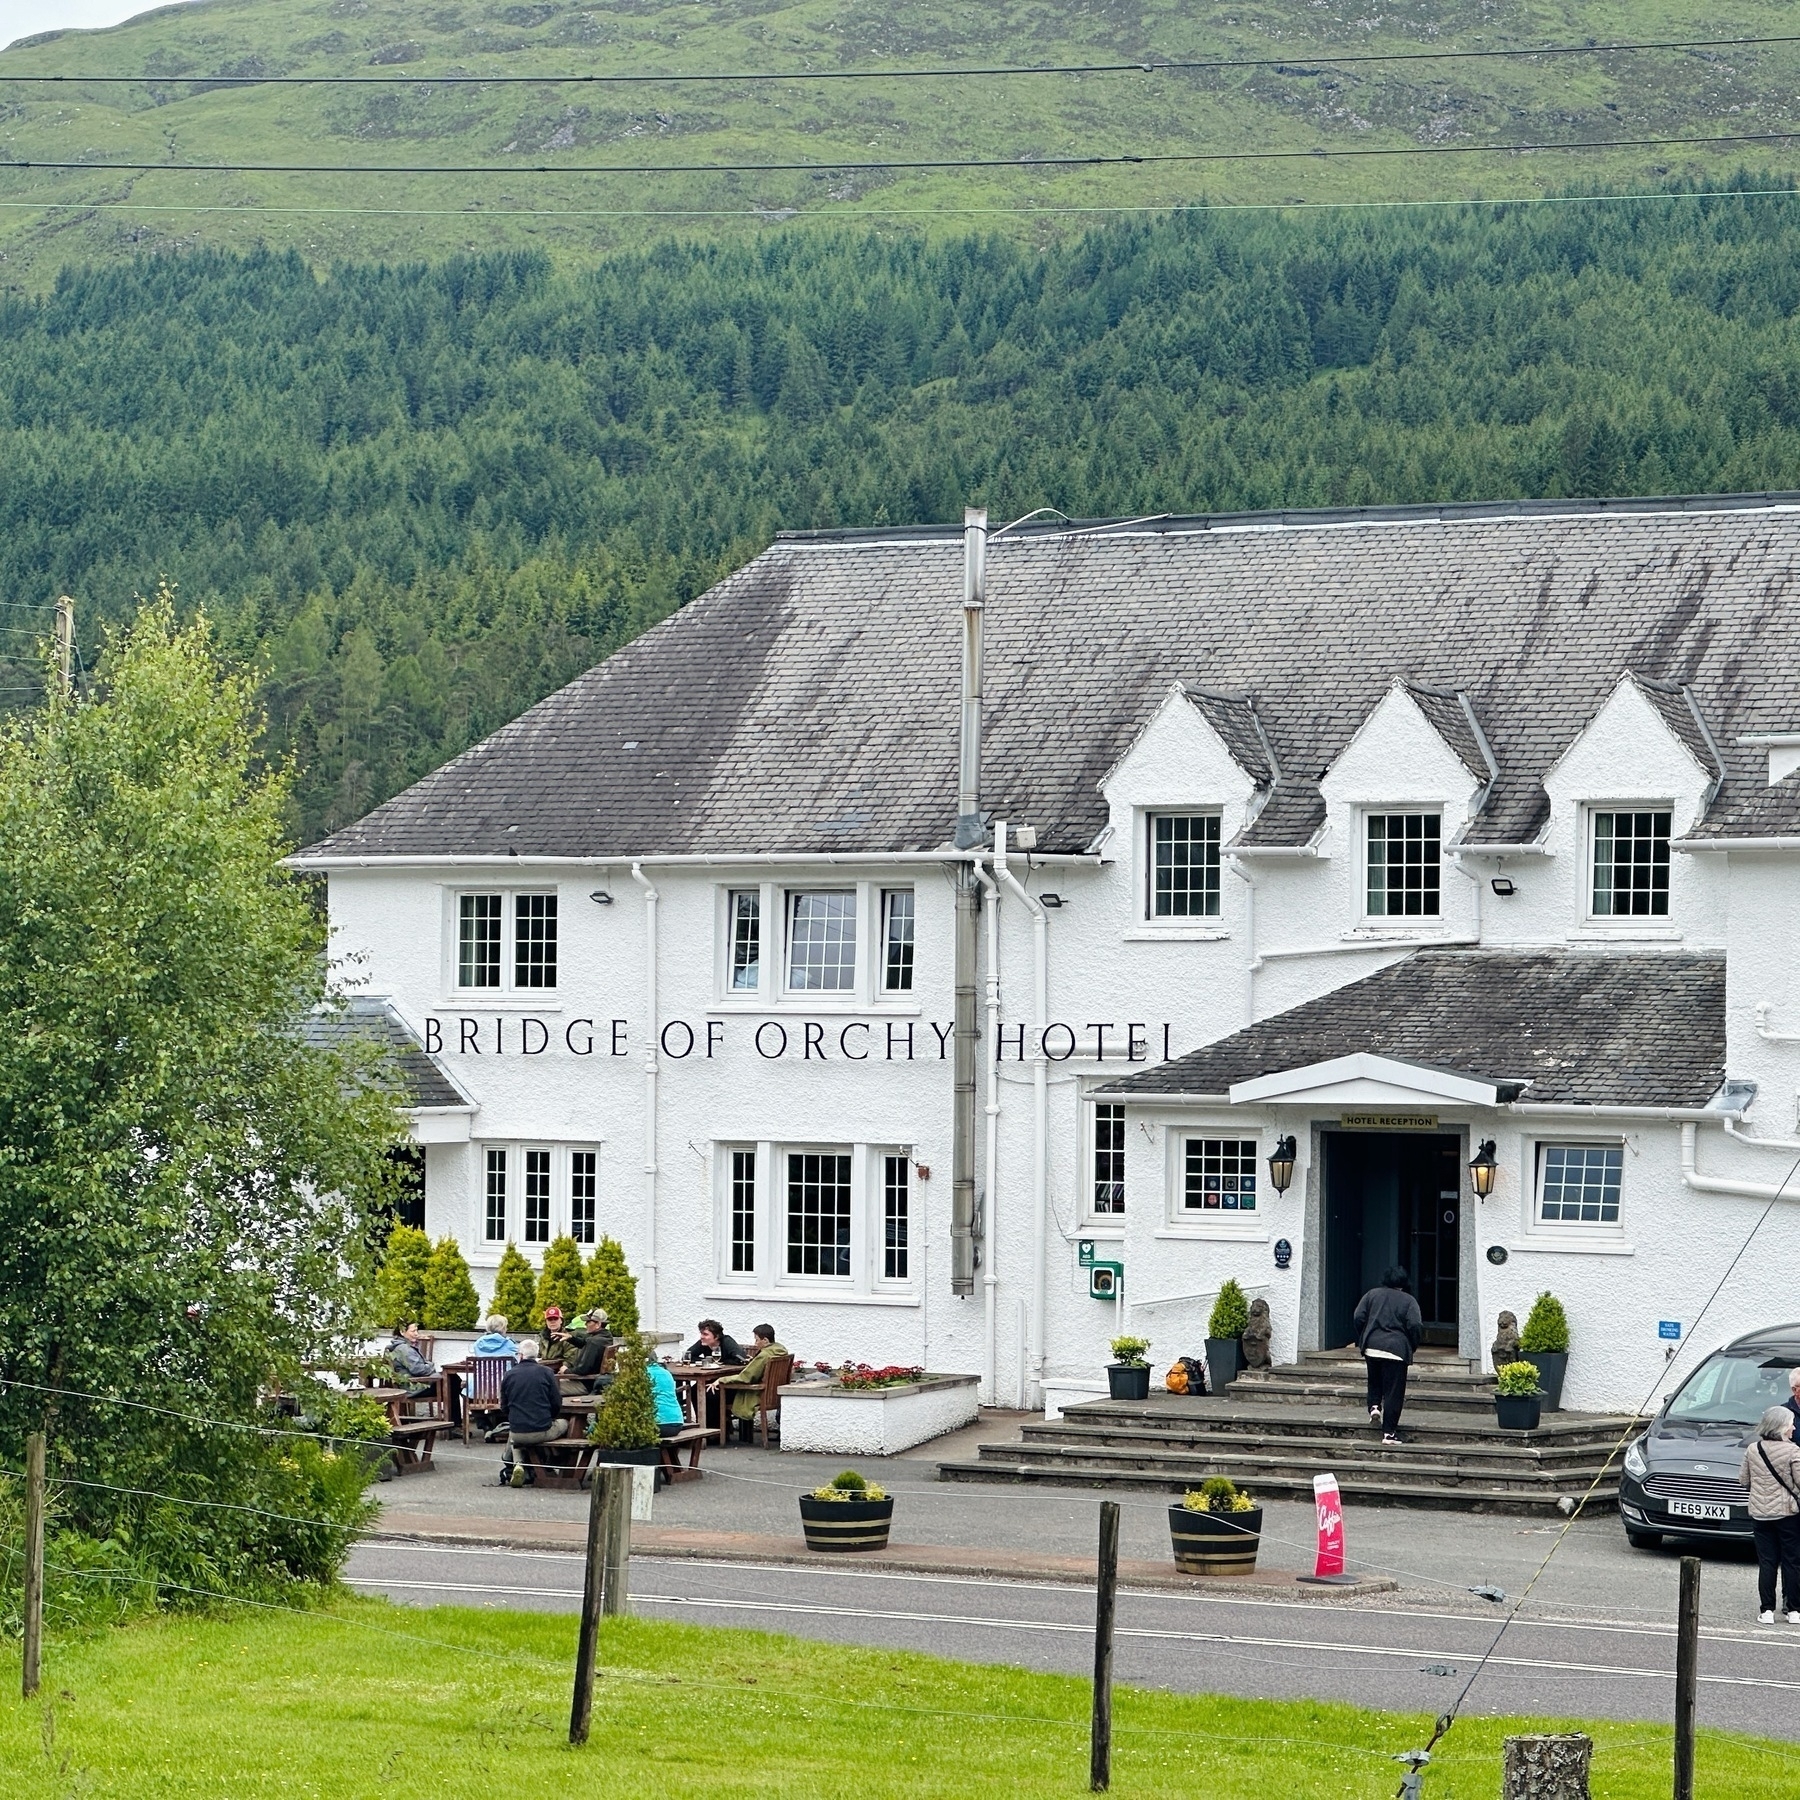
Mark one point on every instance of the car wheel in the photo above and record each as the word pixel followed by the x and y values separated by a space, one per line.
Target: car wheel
pixel 1643 1540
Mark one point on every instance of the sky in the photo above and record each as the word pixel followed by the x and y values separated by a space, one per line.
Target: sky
pixel 25 18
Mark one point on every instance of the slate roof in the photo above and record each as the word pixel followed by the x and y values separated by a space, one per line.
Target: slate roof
pixel 365 1016
pixel 1587 1027
pixel 1452 721
pixel 809 702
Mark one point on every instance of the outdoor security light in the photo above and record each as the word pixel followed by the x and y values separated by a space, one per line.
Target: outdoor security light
pixel 600 897
pixel 1281 1165
pixel 1482 1169
pixel 1503 886
pixel 1050 900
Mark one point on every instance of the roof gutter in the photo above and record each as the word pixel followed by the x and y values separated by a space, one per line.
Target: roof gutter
pixel 1706 846
pixel 1549 1109
pixel 700 860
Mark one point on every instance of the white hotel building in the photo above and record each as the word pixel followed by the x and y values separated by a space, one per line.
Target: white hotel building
pixel 1393 831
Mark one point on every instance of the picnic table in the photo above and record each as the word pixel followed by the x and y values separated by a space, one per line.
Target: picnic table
pixel 414 1436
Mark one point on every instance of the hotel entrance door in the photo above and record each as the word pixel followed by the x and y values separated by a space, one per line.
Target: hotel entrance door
pixel 1392 1197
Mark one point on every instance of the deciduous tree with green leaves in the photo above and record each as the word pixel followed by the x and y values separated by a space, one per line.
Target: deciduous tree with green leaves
pixel 188 1174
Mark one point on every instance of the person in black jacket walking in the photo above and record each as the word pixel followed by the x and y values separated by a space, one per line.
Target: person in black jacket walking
pixel 1388 1328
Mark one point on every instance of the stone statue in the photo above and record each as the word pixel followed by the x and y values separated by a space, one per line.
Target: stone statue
pixel 1257 1335
pixel 1506 1340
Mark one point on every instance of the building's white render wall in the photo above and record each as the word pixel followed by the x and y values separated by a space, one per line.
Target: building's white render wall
pixel 1123 990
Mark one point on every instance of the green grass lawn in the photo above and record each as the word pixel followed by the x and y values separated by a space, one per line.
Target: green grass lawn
pixel 369 1699
pixel 1302 104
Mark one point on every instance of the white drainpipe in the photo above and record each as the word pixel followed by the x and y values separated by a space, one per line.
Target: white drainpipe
pixel 1744 1137
pixel 1713 1184
pixel 990 1224
pixel 1255 962
pixel 1040 1107
pixel 647 1312
pixel 1763 1009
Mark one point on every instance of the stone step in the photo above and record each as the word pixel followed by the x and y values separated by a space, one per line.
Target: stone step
pixel 1422 1460
pixel 1179 1413
pixel 1500 1450
pixel 1322 1391
pixel 1395 1486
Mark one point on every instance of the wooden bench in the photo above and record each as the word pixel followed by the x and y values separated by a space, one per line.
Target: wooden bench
pixel 561 1463
pixel 413 1441
pixel 695 1437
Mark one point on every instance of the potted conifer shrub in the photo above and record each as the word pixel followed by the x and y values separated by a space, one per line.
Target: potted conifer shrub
pixel 847 1513
pixel 1517 1396
pixel 1544 1343
pixel 1216 1529
pixel 624 1427
pixel 1224 1336
pixel 1128 1374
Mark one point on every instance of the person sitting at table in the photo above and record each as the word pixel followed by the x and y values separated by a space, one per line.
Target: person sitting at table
pixel 588 1345
pixel 670 1419
pixel 532 1403
pixel 494 1341
pixel 713 1345
pixel 553 1341
pixel 746 1389
pixel 420 1373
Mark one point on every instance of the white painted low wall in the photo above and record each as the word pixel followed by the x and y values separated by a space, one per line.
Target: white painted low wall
pixel 1070 1391
pixel 821 1416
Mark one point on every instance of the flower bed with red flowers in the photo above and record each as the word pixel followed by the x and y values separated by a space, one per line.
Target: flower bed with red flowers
pixel 861 1375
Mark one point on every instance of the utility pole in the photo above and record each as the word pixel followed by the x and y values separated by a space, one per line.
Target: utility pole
pixel 1687 1675
pixel 65 643
pixel 34 1564
pixel 964 1253
pixel 1106 1590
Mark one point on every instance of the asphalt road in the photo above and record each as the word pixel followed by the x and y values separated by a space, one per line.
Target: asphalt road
pixel 1400 1652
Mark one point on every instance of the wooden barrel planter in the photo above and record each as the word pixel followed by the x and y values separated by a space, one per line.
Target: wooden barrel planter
pixel 1215 1543
pixel 846 1524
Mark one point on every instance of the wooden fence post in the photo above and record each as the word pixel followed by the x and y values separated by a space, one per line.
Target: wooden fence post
pixel 34 1564
pixel 1553 1766
pixel 587 1647
pixel 1106 1589
pixel 1687 1675
pixel 618 1541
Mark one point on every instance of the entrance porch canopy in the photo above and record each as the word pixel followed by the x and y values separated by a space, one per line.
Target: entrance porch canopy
pixel 1476 1028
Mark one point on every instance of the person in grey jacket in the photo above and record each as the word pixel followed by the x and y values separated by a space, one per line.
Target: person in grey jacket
pixel 1388 1328
pixel 1771 1471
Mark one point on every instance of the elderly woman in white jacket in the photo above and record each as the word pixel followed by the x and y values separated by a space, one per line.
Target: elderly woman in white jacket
pixel 1771 1471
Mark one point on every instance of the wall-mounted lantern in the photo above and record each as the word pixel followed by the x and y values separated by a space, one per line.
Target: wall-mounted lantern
pixel 1281 1165
pixel 1482 1168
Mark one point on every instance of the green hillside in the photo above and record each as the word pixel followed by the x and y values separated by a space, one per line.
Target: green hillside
pixel 422 496
pixel 1302 104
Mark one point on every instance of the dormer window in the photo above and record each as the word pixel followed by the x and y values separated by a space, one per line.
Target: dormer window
pixel 1403 864
pixel 1184 866
pixel 1630 864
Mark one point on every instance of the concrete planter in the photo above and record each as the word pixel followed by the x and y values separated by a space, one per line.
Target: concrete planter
pixel 829 1420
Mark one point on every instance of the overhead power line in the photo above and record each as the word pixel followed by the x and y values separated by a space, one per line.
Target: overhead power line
pixel 903 165
pixel 1295 64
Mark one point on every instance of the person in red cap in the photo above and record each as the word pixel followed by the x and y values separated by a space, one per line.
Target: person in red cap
pixel 553 1341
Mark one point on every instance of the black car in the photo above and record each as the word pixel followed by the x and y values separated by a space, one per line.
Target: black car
pixel 1681 1476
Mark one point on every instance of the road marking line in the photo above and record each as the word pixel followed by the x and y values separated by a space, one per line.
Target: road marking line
pixel 1225 1639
